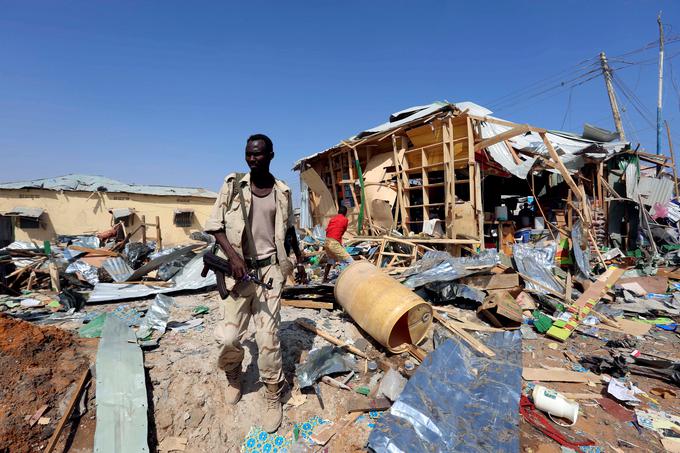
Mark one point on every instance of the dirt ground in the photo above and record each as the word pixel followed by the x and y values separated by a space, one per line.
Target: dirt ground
pixel 184 385
pixel 38 366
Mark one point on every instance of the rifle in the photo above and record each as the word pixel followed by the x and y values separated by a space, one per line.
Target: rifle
pixel 222 268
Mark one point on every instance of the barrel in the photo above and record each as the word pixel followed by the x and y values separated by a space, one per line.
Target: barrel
pixel 389 312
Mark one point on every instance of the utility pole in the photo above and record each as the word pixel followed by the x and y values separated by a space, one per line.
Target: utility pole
pixel 659 101
pixel 607 73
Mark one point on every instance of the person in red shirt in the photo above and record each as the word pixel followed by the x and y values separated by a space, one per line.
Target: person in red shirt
pixel 333 245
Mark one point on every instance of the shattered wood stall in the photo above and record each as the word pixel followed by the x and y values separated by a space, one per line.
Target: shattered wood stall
pixel 453 176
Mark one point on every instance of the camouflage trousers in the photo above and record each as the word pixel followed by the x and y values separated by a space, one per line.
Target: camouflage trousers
pixel 247 301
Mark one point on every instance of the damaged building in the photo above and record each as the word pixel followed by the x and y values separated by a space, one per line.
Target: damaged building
pixel 452 174
pixel 42 209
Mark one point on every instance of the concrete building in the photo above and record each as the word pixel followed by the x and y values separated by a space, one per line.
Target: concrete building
pixel 81 204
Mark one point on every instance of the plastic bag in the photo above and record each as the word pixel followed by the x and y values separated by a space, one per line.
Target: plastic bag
pixel 436 266
pixel 536 263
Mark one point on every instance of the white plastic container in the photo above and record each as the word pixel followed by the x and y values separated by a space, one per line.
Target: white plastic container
pixel 501 212
pixel 554 403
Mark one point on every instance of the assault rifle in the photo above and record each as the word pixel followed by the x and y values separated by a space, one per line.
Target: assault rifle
pixel 222 268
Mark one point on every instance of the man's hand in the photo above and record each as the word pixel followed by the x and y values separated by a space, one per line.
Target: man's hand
pixel 238 265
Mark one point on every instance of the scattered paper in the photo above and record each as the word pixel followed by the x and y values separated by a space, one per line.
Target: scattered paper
pixel 623 393
pixel 29 303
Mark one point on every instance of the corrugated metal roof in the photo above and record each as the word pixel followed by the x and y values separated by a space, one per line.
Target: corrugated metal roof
pixel 122 406
pixel 566 144
pixel 90 183
pixel 19 211
pixel 655 190
pixel 119 213
pixel 189 278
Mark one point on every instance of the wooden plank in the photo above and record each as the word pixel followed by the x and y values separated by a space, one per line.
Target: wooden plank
pixel 36 416
pixel 628 327
pixel 328 337
pixel 307 304
pixel 321 437
pixel 467 325
pixel 562 329
pixel 469 339
pixel 69 410
pixel 368 405
pixel 93 252
pixel 565 173
pixel 417 353
pixel 54 276
pixel 514 132
pixel 558 375
pixel 492 281
pixel 402 180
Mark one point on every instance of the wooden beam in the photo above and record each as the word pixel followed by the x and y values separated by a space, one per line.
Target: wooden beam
pixel 69 410
pixel 328 337
pixel 307 304
pixel 514 132
pixel 469 339
pixel 562 169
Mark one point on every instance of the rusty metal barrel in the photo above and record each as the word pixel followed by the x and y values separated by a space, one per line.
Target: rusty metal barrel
pixel 387 310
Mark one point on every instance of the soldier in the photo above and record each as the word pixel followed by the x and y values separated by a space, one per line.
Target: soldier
pixel 252 221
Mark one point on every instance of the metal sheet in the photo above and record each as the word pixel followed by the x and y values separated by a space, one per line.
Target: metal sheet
pixel 89 183
pixel 188 278
pixel 33 213
pixel 121 392
pixel 121 213
pixel 118 269
pixel 458 401
pixel 655 190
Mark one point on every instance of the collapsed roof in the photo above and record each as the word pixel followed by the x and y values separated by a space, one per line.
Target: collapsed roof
pixel 570 147
pixel 90 183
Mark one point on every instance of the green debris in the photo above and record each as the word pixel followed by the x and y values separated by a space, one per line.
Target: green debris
pixel 93 329
pixel 362 390
pixel 201 310
pixel 541 321
pixel 54 304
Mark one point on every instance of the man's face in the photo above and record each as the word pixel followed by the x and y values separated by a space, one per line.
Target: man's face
pixel 257 157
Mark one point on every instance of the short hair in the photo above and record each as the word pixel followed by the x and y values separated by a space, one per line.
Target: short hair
pixel 342 209
pixel 268 145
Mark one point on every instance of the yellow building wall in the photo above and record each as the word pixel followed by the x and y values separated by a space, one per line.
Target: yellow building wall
pixel 72 213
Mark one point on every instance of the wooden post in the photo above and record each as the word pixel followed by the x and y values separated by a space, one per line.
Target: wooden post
pixel 672 154
pixel 159 238
pixel 402 180
pixel 143 226
pixel 449 179
pixel 334 189
pixel 69 410
pixel 54 276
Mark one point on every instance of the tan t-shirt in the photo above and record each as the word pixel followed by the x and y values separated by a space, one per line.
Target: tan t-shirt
pixel 262 219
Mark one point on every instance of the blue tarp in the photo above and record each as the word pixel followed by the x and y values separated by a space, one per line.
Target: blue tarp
pixel 458 401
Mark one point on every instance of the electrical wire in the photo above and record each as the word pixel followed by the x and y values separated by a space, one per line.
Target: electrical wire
pixel 568 110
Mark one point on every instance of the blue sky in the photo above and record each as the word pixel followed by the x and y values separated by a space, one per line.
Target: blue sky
pixel 167 92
